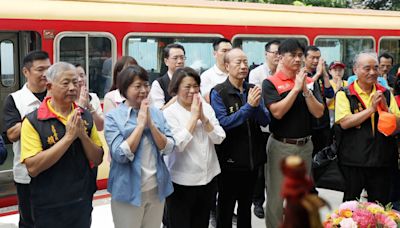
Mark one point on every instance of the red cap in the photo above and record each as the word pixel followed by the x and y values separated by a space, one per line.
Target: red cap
pixel 337 64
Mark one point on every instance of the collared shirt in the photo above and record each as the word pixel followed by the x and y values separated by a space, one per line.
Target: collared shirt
pixel 380 80
pixel 211 78
pixel 297 122
pixel 148 167
pixel 156 94
pixel 125 178
pixel 95 102
pixel 31 144
pixel 258 74
pixel 24 102
pixel 246 111
pixel 334 86
pixel 194 161
pixel 326 92
pixel 256 77
pixel 112 99
pixel 342 104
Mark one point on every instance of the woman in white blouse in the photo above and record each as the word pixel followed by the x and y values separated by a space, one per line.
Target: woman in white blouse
pixel 193 165
pixel 113 98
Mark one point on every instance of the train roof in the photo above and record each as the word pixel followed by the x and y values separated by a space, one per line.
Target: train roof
pixel 199 12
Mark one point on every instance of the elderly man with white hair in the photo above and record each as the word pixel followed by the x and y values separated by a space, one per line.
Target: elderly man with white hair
pixel 366 155
pixel 59 145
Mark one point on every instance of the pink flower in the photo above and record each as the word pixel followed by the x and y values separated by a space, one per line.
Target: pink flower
pixel 334 215
pixel 351 205
pixel 327 224
pixel 386 221
pixel 364 218
pixel 348 223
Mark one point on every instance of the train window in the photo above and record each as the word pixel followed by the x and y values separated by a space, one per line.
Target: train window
pixel 343 49
pixel 148 51
pixel 7 63
pixel 95 52
pixel 254 45
pixel 391 45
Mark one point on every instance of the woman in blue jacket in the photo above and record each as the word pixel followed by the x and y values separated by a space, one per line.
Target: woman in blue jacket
pixel 138 136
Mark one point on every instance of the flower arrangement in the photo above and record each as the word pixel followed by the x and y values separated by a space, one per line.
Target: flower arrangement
pixel 355 214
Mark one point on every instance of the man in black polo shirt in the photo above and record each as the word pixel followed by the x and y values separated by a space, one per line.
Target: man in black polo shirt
pixel 293 100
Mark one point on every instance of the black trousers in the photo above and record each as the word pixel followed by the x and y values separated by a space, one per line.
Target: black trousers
pixel 377 181
pixel 24 206
pixel 76 214
pixel 321 138
pixel 235 186
pixel 259 188
pixel 190 206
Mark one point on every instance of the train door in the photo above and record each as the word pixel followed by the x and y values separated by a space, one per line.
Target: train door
pixel 9 82
pixel 13 47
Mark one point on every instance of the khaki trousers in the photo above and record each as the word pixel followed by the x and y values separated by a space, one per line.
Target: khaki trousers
pixel 276 151
pixel 148 215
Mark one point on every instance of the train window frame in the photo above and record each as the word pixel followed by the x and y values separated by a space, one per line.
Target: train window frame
pixel 347 37
pixel 280 36
pixel 86 35
pixel 166 35
pixel 388 38
pixel 13 65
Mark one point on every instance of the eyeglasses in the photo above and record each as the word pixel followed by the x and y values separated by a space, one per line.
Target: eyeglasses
pixel 273 52
pixel 181 57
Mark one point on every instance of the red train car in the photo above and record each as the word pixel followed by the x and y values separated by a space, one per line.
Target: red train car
pixel 94 33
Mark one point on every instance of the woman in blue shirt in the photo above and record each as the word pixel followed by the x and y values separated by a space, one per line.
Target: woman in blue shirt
pixel 137 135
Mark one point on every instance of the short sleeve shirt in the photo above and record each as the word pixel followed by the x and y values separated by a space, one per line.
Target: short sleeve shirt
pixel 30 139
pixel 297 122
pixel 11 113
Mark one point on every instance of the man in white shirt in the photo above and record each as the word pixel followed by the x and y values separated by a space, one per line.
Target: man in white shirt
pixel 17 105
pixel 216 74
pixel 258 74
pixel 174 58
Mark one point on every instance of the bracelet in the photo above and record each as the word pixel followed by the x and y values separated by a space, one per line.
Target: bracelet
pixel 308 94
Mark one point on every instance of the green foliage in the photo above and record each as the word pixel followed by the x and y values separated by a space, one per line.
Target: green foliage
pixel 366 4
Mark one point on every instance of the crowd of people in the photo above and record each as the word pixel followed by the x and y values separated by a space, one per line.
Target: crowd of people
pixel 191 148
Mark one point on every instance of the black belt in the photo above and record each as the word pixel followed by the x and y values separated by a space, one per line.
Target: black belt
pixel 298 141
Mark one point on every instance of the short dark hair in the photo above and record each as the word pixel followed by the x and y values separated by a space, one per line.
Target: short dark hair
pixel 121 63
pixel 310 48
pixel 218 41
pixel 268 45
pixel 168 48
pixel 289 46
pixel 386 56
pixel 128 75
pixel 178 76
pixel 32 56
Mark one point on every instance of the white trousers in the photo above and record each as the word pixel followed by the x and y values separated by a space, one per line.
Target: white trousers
pixel 148 215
